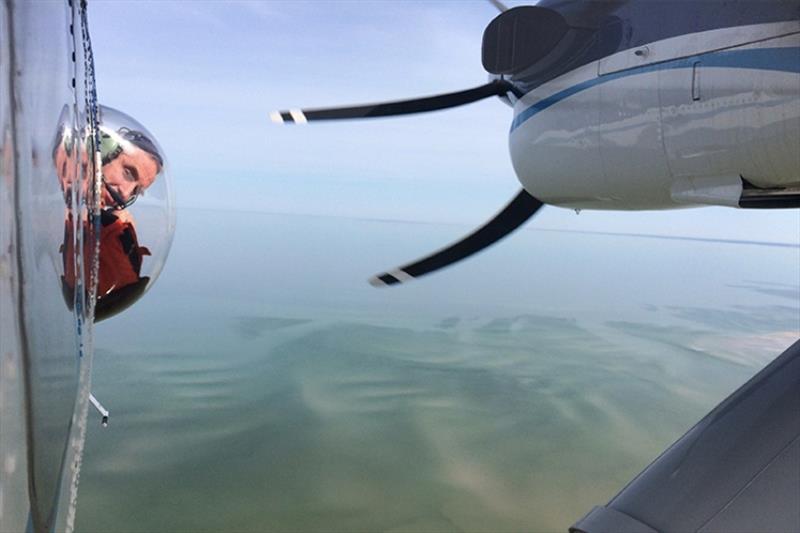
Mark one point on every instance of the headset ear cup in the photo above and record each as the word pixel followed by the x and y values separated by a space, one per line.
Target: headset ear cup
pixel 110 146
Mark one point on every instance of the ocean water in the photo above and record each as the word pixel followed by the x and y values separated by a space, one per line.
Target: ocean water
pixel 262 385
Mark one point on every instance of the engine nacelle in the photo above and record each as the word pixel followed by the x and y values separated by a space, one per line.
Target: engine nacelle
pixel 665 125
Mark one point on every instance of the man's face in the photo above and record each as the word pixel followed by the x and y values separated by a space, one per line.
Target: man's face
pixel 130 173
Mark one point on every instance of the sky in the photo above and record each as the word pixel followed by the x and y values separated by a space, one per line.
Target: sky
pixel 204 75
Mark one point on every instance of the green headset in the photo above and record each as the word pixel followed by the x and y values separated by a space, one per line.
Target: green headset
pixel 110 149
pixel 110 146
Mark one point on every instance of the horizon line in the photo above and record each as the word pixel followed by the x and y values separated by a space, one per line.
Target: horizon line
pixel 718 240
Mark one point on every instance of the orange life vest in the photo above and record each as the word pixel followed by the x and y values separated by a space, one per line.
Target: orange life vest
pixel 120 255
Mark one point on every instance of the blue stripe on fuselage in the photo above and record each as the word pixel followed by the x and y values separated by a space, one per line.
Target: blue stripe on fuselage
pixel 779 59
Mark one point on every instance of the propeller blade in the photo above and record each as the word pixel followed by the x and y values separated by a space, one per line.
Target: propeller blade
pixel 513 215
pixel 400 107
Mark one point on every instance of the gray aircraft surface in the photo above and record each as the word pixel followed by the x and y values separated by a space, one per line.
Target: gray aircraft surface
pixel 617 105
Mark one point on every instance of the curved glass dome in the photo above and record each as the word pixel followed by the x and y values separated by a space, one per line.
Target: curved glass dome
pixel 138 212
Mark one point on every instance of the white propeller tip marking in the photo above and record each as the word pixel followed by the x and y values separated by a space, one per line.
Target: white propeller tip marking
pixel 275 116
pixel 298 116
pixel 375 281
pixel 401 275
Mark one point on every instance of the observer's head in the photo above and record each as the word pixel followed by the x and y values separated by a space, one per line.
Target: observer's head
pixel 130 164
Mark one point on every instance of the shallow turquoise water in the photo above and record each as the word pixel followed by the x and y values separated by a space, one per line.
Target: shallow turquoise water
pixel 263 385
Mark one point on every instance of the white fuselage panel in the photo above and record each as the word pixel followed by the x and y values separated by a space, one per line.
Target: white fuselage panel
pixel 671 131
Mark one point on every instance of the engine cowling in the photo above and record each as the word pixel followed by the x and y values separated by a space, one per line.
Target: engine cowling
pixel 644 129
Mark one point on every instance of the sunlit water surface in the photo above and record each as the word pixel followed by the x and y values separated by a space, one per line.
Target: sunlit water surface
pixel 264 386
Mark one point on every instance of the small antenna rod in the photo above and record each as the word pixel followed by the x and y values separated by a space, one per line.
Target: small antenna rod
pixel 100 409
